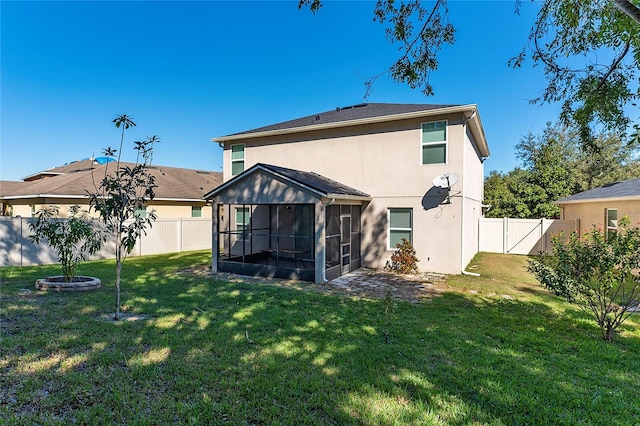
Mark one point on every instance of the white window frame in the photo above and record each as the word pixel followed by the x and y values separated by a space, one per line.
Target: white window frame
pixel 238 160
pixel 243 226
pixel 389 228
pixel 610 228
pixel 445 142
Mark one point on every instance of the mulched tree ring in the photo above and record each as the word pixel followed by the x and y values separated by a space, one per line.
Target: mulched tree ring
pixel 58 283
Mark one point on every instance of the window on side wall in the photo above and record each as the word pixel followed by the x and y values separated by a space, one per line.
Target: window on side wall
pixel 434 142
pixel 243 216
pixel 611 220
pixel 141 212
pixel 400 226
pixel 237 159
pixel 196 211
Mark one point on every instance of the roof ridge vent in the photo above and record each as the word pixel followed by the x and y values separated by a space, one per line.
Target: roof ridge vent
pixel 352 106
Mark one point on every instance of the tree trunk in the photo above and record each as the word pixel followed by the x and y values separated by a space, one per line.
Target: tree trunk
pixel 629 9
pixel 118 269
pixel 608 331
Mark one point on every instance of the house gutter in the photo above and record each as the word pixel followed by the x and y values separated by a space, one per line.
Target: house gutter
pixel 477 126
pixel 21 197
pixel 596 200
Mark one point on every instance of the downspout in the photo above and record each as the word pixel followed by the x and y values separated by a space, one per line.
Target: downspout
pixel 324 252
pixel 462 215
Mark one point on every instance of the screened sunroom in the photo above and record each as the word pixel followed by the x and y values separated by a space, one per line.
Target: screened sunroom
pixel 284 223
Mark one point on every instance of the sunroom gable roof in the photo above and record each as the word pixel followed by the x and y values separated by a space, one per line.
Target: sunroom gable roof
pixel 320 185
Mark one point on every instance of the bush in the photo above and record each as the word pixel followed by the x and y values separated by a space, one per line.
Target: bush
pixel 598 273
pixel 403 260
pixel 74 239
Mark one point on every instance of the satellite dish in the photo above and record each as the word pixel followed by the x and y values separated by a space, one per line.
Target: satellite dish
pixel 445 180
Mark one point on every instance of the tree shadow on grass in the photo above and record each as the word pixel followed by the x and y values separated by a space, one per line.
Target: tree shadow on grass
pixel 232 353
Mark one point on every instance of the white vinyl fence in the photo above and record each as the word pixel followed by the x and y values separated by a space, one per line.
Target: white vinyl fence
pixel 165 236
pixel 522 236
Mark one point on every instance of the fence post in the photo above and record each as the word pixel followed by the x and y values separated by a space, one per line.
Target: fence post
pixel 21 239
pixel 543 244
pixel 180 234
pixel 505 235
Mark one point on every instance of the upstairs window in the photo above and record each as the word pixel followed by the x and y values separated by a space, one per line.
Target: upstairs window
pixel 196 211
pixel 237 159
pixel 434 142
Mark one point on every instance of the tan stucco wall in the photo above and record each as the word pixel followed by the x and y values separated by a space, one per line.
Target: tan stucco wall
pixel 384 161
pixel 168 209
pixel 592 213
pixel 164 209
pixel 261 188
pixel 472 176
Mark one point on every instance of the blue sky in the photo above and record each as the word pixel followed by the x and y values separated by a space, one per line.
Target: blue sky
pixel 189 71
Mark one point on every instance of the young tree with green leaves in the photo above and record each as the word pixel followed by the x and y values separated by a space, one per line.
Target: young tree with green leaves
pixel 600 273
pixel 122 194
pixel 74 238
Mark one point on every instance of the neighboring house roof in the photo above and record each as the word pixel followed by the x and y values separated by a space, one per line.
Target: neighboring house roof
pixel 315 182
pixel 8 187
pixel 363 114
pixel 623 190
pixel 76 179
pixel 72 166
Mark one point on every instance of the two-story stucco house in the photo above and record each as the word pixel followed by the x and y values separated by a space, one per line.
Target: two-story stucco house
pixel 316 197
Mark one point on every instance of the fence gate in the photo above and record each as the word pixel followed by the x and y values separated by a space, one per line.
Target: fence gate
pixel 521 236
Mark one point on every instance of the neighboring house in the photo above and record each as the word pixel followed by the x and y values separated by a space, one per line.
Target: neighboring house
pixel 316 197
pixel 604 206
pixel 179 193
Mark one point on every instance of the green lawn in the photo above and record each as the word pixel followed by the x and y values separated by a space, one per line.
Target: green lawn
pixel 495 349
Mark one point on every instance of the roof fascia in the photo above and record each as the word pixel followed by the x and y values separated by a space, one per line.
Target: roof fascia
pixel 45 173
pixel 348 197
pixel 253 170
pixel 177 199
pixel 479 133
pixel 21 197
pixel 600 200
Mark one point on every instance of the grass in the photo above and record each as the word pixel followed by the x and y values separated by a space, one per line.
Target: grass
pixel 496 349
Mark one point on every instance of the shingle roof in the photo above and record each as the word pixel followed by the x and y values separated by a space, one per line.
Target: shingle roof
pixel 349 113
pixel 8 187
pixel 78 178
pixel 314 181
pixel 622 189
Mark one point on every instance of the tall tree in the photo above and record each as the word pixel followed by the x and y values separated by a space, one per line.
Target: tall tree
pixel 420 28
pixel 590 53
pixel 607 159
pixel 506 194
pixel 121 197
pixel 603 36
pixel 553 166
